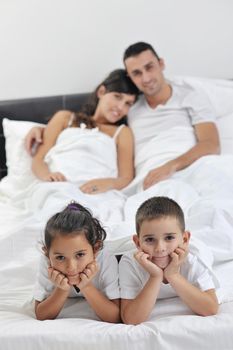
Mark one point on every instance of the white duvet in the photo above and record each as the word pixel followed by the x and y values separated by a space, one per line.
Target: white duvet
pixel 205 192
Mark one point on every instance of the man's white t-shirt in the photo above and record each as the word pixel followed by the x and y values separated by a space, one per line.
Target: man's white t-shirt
pixel 186 107
pixel 133 276
pixel 106 279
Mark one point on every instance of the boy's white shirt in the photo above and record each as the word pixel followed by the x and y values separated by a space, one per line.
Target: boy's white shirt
pixel 106 279
pixel 197 269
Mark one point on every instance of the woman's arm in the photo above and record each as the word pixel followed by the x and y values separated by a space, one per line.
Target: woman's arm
pixel 55 126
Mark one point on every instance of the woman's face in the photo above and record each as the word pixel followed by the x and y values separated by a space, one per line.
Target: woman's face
pixel 113 106
pixel 70 255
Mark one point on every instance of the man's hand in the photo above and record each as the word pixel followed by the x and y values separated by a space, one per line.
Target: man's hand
pixel 33 139
pixel 54 177
pixel 143 259
pixel 58 279
pixel 161 173
pixel 177 259
pixel 87 275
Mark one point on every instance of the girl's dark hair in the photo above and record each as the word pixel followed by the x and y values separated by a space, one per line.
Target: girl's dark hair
pixel 116 81
pixel 158 207
pixel 74 219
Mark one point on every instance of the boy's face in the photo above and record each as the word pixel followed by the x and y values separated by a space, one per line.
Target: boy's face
pixel 159 238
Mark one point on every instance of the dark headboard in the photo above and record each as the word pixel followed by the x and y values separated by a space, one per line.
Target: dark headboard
pixel 37 109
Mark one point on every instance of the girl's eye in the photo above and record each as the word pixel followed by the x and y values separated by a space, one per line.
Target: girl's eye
pixel 118 96
pixel 60 257
pixel 149 240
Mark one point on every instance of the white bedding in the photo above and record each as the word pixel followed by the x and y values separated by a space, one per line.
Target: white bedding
pixel 205 192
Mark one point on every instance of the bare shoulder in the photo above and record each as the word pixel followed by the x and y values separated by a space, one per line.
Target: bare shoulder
pixel 61 117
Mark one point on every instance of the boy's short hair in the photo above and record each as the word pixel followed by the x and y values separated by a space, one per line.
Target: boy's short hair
pixel 137 48
pixel 158 207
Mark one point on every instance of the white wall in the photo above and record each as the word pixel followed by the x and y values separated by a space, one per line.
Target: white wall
pixel 51 47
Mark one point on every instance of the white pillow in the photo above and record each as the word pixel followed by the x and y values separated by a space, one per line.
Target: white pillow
pixel 18 161
pixel 220 94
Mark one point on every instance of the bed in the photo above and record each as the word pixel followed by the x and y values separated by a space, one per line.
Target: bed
pixel 171 325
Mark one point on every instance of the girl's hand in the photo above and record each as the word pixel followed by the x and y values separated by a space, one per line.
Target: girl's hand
pixel 97 186
pixel 54 177
pixel 143 259
pixel 177 258
pixel 58 279
pixel 87 275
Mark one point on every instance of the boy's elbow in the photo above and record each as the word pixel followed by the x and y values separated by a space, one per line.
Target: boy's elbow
pixel 210 311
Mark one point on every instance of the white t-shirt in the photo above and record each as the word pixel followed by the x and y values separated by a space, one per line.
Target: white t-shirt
pixel 133 276
pixel 186 107
pixel 106 279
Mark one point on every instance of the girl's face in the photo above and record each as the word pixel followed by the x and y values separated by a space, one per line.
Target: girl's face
pixel 70 255
pixel 112 106
pixel 159 238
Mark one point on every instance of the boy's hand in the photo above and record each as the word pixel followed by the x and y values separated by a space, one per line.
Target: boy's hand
pixel 143 259
pixel 177 258
pixel 58 279
pixel 87 275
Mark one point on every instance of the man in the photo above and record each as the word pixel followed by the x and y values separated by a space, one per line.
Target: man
pixel 163 106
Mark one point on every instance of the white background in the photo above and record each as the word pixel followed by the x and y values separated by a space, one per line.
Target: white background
pixel 50 47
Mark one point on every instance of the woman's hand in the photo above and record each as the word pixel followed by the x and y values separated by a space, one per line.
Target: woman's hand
pixel 33 138
pixel 58 279
pixel 54 177
pixel 97 186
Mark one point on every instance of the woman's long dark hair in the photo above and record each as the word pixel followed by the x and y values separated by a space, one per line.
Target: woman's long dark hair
pixel 116 81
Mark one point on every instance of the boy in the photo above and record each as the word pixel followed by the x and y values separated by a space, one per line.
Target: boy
pixel 162 267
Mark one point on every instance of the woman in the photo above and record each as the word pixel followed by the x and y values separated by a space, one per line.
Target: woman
pixel 110 158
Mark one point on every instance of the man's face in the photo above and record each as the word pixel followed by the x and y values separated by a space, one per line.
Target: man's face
pixel 146 71
pixel 159 238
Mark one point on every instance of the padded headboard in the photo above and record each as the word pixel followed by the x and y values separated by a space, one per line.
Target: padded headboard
pixel 38 109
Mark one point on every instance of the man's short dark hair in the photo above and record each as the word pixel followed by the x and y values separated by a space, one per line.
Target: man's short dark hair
pixel 157 208
pixel 137 48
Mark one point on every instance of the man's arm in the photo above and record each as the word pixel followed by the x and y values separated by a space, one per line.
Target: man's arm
pixel 33 139
pixel 207 143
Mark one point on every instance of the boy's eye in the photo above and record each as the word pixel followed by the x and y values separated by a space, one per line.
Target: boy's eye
pixel 80 255
pixel 169 238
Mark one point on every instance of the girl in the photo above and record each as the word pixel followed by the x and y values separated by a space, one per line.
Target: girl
pixel 74 265
pixel 103 163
